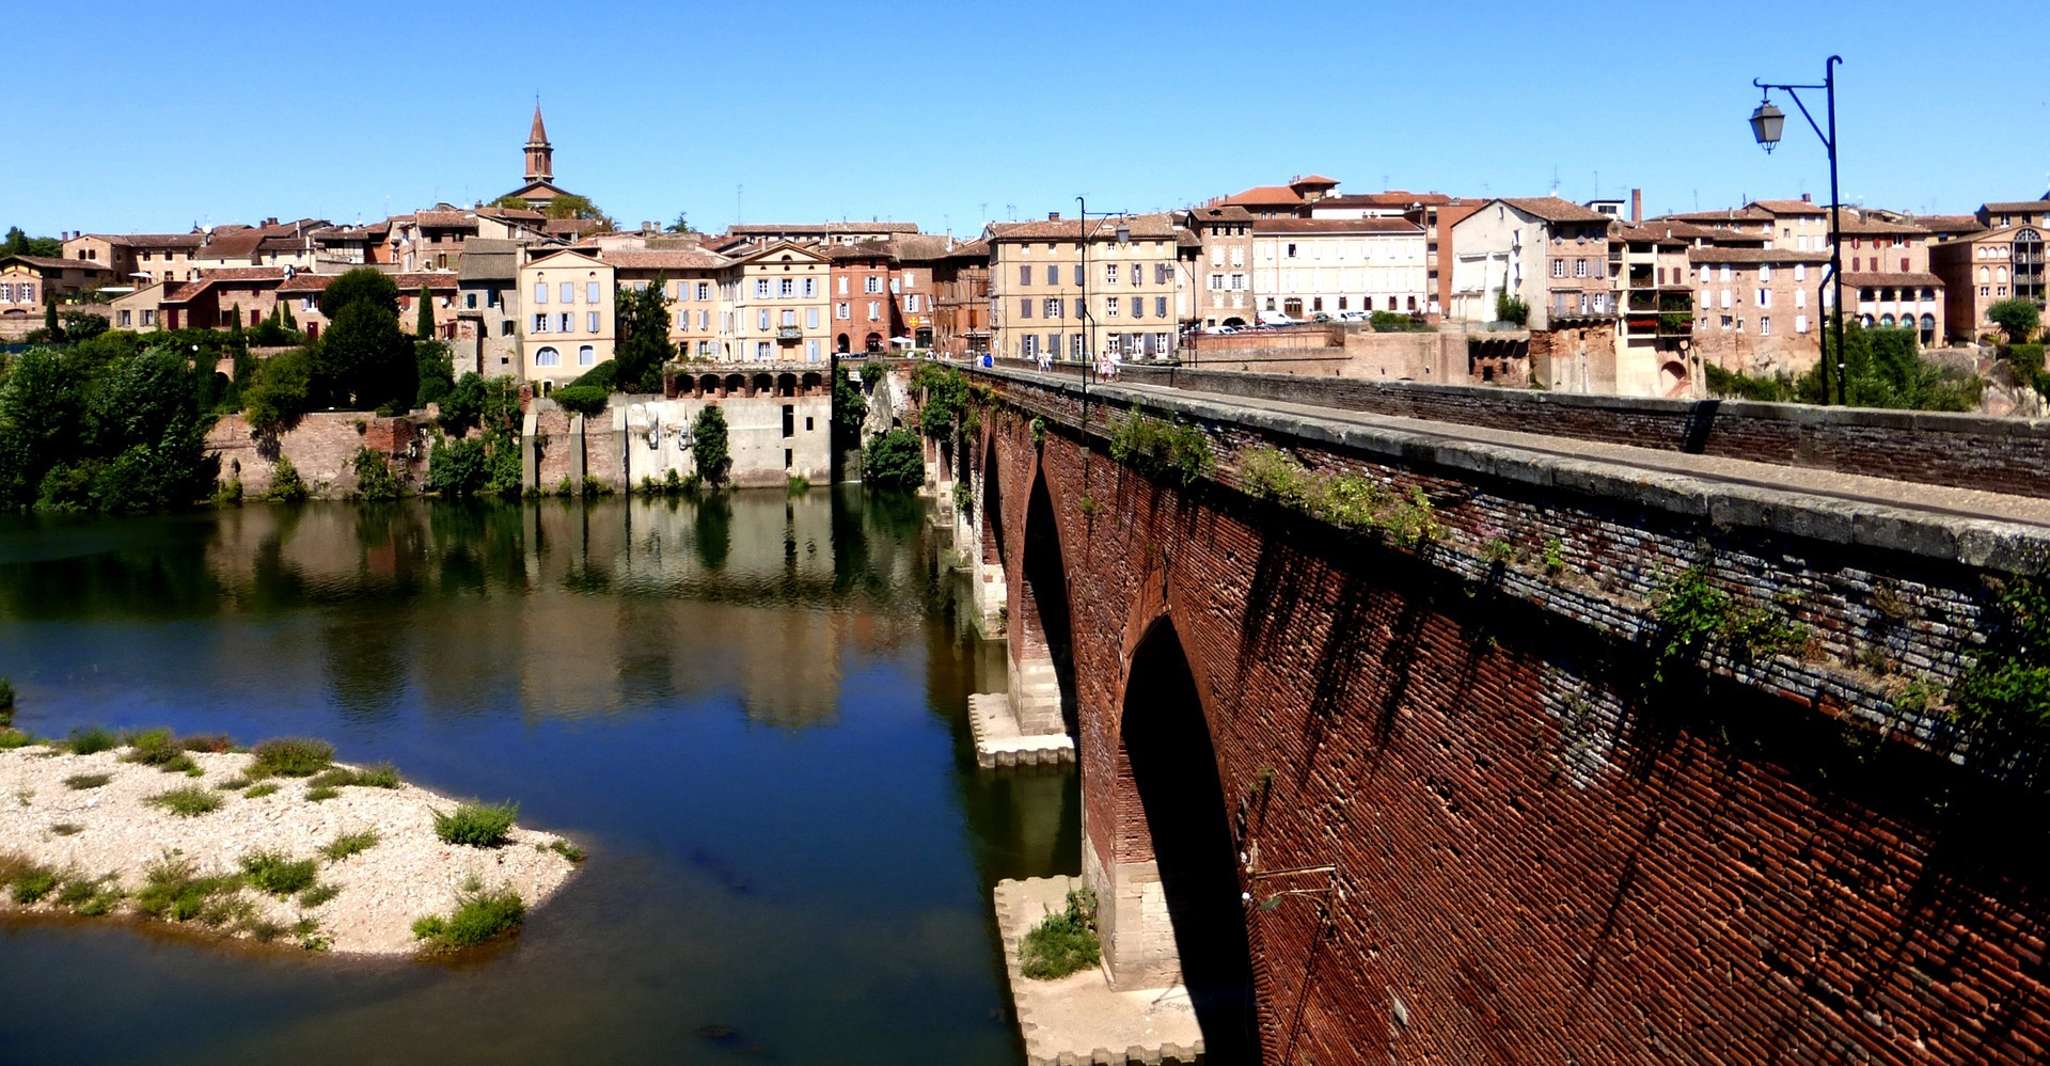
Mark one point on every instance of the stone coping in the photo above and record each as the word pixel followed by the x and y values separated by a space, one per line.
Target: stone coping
pixel 1984 543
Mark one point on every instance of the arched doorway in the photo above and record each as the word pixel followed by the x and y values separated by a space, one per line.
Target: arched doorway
pixel 1043 665
pixel 1174 770
pixel 840 344
pixel 874 343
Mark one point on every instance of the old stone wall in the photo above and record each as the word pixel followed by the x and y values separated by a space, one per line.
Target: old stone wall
pixel 1547 855
pixel 322 447
pixel 1971 451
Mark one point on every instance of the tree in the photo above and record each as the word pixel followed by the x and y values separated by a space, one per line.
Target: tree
pixel 2016 317
pixel 50 321
pixel 83 326
pixel 457 468
pixel 436 374
pixel 1511 309
pixel 285 315
pixel 361 285
pixel 1885 368
pixel 850 406
pixel 19 243
pixel 279 391
pixel 708 446
pixel 42 417
pixel 642 319
pixel 893 460
pixel 682 223
pixel 423 327
pixel 572 205
pixel 365 360
pixel 583 400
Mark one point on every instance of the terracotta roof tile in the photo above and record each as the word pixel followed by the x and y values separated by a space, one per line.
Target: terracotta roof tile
pixel 1266 196
pixel 1223 213
pixel 445 219
pixel 1789 207
pixel 1144 227
pixel 54 263
pixel 1396 198
pixel 1895 280
pixel 1753 255
pixel 2016 206
pixel 1335 225
pixel 678 259
pixel 1553 209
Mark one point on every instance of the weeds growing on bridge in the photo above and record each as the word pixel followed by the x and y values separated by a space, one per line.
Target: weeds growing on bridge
pixel 1347 500
pixel 1063 942
pixel 1695 618
pixel 1162 449
pixel 2003 701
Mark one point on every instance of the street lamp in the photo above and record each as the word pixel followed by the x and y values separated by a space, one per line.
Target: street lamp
pixel 1767 123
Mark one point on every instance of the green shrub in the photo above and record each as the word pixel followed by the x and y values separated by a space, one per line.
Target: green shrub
pixel 347 844
pixel 374 479
pixel 380 775
pixel 91 740
pixel 479 916
pixel 173 890
pixel 2016 317
pixel 6 701
pixel 11 739
pixel 1063 942
pixel 276 874
pixel 893 460
pixel 262 790
pixel 215 743
pixel 1510 309
pixel 65 829
pixel 457 468
pixel 871 372
pixel 33 883
pixel 188 801
pixel 80 782
pixel 478 825
pixel 228 493
pixel 1275 475
pixel 285 484
pixel 709 448
pixel 291 757
pixel 565 849
pixel 1169 450
pixel 318 894
pixel 321 793
pixel 1695 618
pixel 798 485
pixel 157 748
pixel 586 400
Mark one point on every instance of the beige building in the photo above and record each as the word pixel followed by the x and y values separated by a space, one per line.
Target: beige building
pixel 27 282
pixel 1550 253
pixel 1795 225
pixel 1224 265
pixel 1037 287
pixel 1655 302
pixel 1304 267
pixel 138 258
pixel 567 321
pixel 136 312
pixel 488 309
pixel 691 281
pixel 777 305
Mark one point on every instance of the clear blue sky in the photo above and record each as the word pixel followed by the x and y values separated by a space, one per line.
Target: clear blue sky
pixel 951 113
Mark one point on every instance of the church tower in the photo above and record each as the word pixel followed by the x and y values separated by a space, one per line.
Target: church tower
pixel 540 156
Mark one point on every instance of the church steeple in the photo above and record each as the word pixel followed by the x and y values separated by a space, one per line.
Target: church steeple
pixel 540 155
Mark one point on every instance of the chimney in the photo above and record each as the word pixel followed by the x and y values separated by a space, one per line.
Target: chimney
pixel 1637 205
pixel 1053 216
pixel 1806 198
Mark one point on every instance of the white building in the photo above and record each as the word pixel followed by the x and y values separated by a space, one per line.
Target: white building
pixel 1306 266
pixel 1551 254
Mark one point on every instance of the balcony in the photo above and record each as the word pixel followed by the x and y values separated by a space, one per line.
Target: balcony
pixel 789 334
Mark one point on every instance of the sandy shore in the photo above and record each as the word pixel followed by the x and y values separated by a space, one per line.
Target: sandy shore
pixel 407 874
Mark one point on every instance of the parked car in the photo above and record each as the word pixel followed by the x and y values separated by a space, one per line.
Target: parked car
pixel 1276 318
pixel 1354 316
pixel 1320 318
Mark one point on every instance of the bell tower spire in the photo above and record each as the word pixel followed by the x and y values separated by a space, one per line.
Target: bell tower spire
pixel 540 155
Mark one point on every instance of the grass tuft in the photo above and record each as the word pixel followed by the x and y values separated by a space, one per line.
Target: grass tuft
pixel 32 881
pixel 90 741
pixel 11 739
pixel 173 890
pixel 81 782
pixel 262 790
pixel 478 825
pixel 564 848
pixel 1063 942
pixel 310 935
pixel 187 801
pixel 318 894
pixel 156 747
pixel 214 743
pixel 322 793
pixel 65 829
pixel 377 775
pixel 291 757
pixel 479 916
pixel 276 874
pixel 347 844
pixel 239 781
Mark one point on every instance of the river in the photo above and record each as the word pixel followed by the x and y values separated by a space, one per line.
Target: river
pixel 751 712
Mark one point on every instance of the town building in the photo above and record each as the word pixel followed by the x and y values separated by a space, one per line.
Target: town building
pixel 763 234
pixel 2004 213
pixel 1656 309
pixel 1550 253
pixel 1981 269
pixel 1282 201
pixel 1757 310
pixel 537 189
pixel 1037 287
pixel 920 258
pixel 222 296
pixel 864 313
pixel 270 244
pixel 1305 267
pixel 1796 225
pixel 300 294
pixel 137 311
pixel 138 258
pixel 691 281
pixel 961 303
pixel 488 309
pixel 567 320
pixel 778 303
pixel 33 280
pixel 1224 293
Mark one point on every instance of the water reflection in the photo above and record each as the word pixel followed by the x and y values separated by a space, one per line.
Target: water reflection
pixel 751 710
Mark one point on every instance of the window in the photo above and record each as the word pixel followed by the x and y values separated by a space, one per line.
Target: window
pixel 875 284
pixel 125 313
pixel 911 279
pixel 762 319
pixel 1024 309
pixel 1765 297
pixel 1217 281
pixel 1558 268
pixel 762 288
pixel 540 323
pixel 1053 344
pixel 786 288
pixel 1800 272
pixel 875 310
pixel 1053 307
pixel 843 284
pixel 1765 325
pixel 1081 310
pixel 504 328
pixel 1726 273
pixel 1031 346
pixel 1726 299
pixel 1765 271
pixel 762 351
pixel 1704 275
pixel 1580 268
pixel 569 292
pixel 590 292
pixel 842 310
pixel 704 290
pixel 586 355
pixel 149 317
pixel 811 355
pixel 893 286
pixel 787 319
pixel 1163 343
pixel 1238 281
pixel 1110 307
pixel 811 287
pixel 1160 306
pixel 1110 273
pixel 564 322
pixel 470 300
pixel 547 357
pixel 540 292
pixel 1138 307
pixel 1075 346
pixel 1800 298
pixel 1800 323
pixel 1290 254
pixel 911 303
pixel 811 318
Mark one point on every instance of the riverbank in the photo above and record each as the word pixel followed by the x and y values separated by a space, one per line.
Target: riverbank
pixel 314 860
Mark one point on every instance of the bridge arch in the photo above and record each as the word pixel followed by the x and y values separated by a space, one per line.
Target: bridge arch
pixel 1185 861
pixel 1042 646
pixel 992 516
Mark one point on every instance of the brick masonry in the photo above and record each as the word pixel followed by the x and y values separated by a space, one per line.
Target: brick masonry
pixel 1540 863
pixel 322 447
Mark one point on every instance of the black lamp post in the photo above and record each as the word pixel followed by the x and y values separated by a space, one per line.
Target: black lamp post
pixel 1767 123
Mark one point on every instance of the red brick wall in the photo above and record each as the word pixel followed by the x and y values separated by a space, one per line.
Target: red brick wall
pixel 1537 866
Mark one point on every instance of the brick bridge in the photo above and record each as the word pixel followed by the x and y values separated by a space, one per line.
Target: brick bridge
pixel 1430 792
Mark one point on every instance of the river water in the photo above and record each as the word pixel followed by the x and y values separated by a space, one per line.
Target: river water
pixel 750 711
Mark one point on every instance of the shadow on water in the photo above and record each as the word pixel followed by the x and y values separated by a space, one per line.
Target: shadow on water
pixel 751 710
